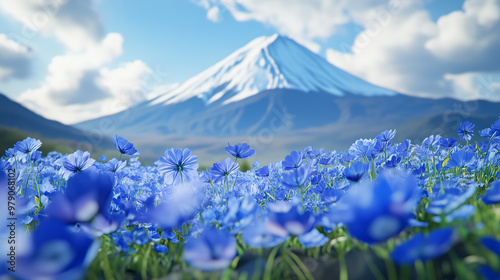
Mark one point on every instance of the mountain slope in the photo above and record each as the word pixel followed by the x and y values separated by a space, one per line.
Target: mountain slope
pixel 244 78
pixel 15 116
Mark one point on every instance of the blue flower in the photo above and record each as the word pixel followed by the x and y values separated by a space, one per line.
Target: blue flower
pixel 124 146
pixel 56 253
pixel 461 213
pixel 262 172
pixel 223 168
pixel 381 209
pixel 356 171
pixel 170 236
pixel 88 193
pixel 313 239
pixel 466 131
pixel 492 195
pixel 298 177
pixel 285 219
pixel 447 196
pixel 495 128
pixel 162 249
pixel 424 247
pixel 393 161
pixel 313 153
pixel 362 148
pixel 293 160
pixel 28 145
pixel 256 235
pixel 386 136
pixel 240 213
pixel 462 159
pixel 492 244
pixel 213 250
pixel 114 165
pixel 178 166
pixel 431 141
pixel 241 150
pixel 104 223
pixel 4 165
pixel 206 177
pixel 404 147
pixel 488 273
pixel 448 143
pixel 181 205
pixel 76 162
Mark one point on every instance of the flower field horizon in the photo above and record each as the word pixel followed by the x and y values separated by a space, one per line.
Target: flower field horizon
pixel 378 210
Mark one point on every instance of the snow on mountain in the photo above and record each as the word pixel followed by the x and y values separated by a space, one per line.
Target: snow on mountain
pixel 274 62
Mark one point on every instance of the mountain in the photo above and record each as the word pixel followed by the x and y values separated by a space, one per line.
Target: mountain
pixel 274 62
pixel 17 119
pixel 277 95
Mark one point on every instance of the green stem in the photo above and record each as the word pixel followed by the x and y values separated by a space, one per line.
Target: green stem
pixel 36 181
pixel 376 272
pixel 343 266
pixel 269 264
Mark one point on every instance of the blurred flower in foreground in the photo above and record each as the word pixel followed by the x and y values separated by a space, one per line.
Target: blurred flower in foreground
pixel 213 250
pixel 424 247
pixel 297 177
pixel 52 251
pixel 492 195
pixel 124 146
pixel 492 244
pixel 88 194
pixel 313 239
pixel 182 205
pixel 381 209
pixel 448 196
pixel 285 219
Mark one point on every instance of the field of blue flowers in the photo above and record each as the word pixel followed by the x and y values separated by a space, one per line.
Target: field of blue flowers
pixel 378 210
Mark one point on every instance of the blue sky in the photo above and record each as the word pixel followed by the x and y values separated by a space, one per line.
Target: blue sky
pixel 58 52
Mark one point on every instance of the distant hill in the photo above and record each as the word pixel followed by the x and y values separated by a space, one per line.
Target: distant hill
pixel 18 122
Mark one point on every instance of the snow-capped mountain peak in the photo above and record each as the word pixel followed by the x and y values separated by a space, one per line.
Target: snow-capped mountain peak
pixel 267 63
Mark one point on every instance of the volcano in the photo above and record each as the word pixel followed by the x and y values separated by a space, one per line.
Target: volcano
pixel 277 95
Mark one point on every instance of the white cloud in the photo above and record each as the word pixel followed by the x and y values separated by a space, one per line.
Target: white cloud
pixel 416 56
pixel 395 56
pixel 80 84
pixel 75 23
pixel 474 85
pixel 15 59
pixel 213 14
pixel 126 82
pixel 469 39
pixel 303 20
